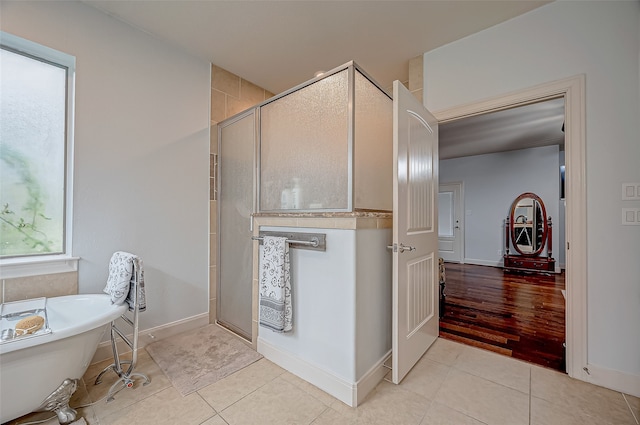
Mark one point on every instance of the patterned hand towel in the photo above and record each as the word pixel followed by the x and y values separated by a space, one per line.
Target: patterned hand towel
pixel 275 285
pixel 138 274
pixel 124 270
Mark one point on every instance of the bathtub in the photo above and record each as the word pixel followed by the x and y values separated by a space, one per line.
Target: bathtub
pixel 36 367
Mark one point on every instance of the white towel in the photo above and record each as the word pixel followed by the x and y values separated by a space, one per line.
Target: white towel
pixel 125 270
pixel 275 285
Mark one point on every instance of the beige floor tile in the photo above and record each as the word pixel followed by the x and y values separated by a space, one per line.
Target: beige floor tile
pixel 558 388
pixel 387 404
pixel 277 402
pixel 216 420
pixel 168 407
pixel 444 351
pixel 331 417
pixel 36 417
pixel 546 413
pixel 310 389
pixel 81 402
pixel 634 404
pixel 227 391
pixel 89 416
pixel 439 414
pixel 127 396
pixel 425 378
pixel 483 400
pixel 502 370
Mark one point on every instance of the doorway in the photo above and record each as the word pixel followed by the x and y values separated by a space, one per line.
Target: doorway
pixel 513 151
pixel 573 91
pixel 451 222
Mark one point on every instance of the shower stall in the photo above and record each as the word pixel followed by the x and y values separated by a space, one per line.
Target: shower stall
pixel 319 149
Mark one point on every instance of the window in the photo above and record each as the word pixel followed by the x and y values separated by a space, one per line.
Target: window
pixel 36 116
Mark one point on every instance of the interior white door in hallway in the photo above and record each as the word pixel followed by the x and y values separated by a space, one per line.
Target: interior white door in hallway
pixel 450 222
pixel 415 236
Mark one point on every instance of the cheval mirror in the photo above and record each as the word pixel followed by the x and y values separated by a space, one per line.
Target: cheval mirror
pixel 528 233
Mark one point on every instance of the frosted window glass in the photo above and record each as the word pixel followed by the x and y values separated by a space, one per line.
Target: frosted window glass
pixel 235 198
pixel 304 136
pixel 33 98
pixel 373 181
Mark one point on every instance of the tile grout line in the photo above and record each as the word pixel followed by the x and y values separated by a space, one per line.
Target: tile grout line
pixel 629 406
pixel 207 403
pixel 432 401
pixel 246 395
pixel 321 413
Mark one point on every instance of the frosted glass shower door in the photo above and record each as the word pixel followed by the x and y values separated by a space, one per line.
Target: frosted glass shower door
pixel 236 153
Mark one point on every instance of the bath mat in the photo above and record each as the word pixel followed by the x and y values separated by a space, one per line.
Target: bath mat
pixel 201 357
pixel 80 421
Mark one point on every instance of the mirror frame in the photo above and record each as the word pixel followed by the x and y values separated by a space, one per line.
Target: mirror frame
pixel 545 227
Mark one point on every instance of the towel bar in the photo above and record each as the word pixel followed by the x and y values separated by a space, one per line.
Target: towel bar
pixel 312 241
pixel 125 377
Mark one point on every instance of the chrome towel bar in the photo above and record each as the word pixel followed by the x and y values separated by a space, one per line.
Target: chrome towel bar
pixel 312 241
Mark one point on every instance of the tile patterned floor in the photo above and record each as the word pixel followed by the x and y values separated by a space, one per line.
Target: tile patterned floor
pixel 452 384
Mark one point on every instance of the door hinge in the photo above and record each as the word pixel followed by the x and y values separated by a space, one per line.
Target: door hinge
pixel 567 246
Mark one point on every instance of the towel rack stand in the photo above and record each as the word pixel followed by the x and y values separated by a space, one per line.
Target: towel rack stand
pixel 125 376
pixel 311 241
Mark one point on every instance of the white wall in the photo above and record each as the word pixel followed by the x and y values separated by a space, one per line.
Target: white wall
pixel 491 183
pixel 323 298
pixel 559 40
pixel 141 152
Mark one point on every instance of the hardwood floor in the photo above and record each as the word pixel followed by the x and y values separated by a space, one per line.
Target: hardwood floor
pixel 518 315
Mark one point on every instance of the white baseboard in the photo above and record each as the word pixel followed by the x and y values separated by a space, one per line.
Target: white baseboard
pixel 350 393
pixel 614 380
pixel 371 379
pixel 147 336
pixel 497 263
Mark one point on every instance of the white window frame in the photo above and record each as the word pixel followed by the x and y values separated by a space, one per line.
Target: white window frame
pixel 48 264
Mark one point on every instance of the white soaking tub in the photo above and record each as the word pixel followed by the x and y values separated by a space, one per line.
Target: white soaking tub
pixel 39 372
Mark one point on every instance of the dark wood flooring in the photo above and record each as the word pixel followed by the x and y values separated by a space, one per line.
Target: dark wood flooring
pixel 518 315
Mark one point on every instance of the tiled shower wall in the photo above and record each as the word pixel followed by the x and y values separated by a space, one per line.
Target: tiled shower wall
pixel 230 94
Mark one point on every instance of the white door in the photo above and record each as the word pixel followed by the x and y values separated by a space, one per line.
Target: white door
pixel 450 222
pixel 415 236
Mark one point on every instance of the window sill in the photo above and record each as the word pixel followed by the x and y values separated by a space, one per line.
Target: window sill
pixel 23 267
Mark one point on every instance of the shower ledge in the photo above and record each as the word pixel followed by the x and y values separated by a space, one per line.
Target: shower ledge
pixel 328 214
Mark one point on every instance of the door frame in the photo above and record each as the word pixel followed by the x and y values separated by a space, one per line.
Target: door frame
pixel 461 214
pixel 573 91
